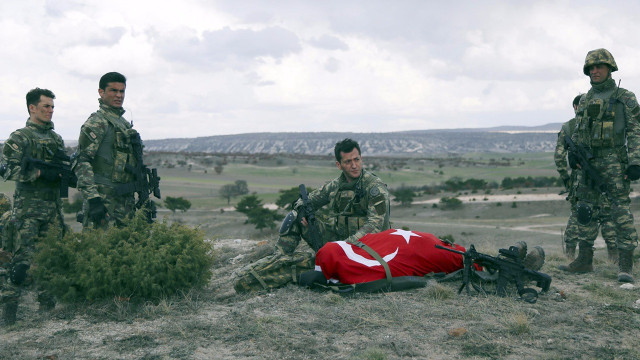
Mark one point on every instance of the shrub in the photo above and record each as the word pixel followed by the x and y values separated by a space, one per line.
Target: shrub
pixel 450 203
pixel 137 261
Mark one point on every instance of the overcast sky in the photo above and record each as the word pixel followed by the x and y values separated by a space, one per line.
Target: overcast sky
pixel 200 68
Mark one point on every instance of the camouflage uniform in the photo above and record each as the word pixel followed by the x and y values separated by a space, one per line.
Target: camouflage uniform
pixel 357 208
pixel 608 124
pixel 36 203
pixel 607 225
pixel 104 150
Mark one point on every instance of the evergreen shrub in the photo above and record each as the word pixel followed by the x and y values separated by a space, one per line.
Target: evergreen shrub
pixel 136 262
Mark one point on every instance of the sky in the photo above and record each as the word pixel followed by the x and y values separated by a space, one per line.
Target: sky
pixel 201 67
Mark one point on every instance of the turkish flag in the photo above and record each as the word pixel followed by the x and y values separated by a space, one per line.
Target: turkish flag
pixel 408 253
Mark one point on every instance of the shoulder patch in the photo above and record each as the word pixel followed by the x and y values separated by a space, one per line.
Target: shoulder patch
pixel 631 102
pixel 14 146
pixel 374 191
pixel 93 135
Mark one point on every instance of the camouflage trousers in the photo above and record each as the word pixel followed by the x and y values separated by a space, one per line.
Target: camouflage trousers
pixel 606 227
pixel 31 217
pixel 120 208
pixel 611 166
pixel 273 271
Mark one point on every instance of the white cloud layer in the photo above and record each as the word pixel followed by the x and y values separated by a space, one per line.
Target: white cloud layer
pixel 199 68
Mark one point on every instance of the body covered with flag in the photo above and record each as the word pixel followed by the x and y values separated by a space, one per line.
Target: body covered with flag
pixel 408 253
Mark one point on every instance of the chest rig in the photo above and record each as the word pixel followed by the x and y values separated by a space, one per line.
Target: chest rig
pixel 115 151
pixel 601 121
pixel 42 145
pixel 350 207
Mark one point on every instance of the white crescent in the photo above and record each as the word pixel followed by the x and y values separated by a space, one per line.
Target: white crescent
pixel 348 250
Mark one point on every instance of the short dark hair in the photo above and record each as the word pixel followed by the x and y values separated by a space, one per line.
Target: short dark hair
pixel 346 146
pixel 576 100
pixel 111 77
pixel 33 96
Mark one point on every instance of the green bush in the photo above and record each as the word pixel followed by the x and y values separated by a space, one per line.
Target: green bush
pixel 138 261
pixel 450 203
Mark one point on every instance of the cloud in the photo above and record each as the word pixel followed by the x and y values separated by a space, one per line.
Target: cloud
pixel 228 47
pixel 328 42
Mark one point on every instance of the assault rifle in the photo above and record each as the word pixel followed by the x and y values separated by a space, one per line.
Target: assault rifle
pixel 509 269
pixel 314 238
pixel 60 164
pixel 145 181
pixel 584 157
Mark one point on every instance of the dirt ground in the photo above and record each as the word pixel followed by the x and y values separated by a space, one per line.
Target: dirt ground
pixel 582 316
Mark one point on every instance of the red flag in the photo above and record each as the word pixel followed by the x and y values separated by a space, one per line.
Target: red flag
pixel 408 253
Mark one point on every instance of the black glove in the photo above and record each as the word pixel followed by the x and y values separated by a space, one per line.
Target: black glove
pixel 633 172
pixel 97 210
pixel 50 175
pixel 573 160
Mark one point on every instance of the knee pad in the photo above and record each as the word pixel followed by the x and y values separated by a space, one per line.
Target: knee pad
pixel 288 222
pixel 584 212
pixel 18 273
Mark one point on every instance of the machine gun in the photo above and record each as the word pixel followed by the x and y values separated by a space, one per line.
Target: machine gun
pixel 509 269
pixel 583 156
pixel 314 238
pixel 60 165
pixel 145 181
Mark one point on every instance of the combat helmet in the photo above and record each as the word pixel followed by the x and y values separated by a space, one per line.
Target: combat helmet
pixel 599 56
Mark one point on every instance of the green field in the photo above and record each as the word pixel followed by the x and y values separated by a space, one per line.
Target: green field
pixel 266 177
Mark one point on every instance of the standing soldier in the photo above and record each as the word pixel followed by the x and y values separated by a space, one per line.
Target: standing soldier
pixel 608 126
pixel 37 201
pixel 105 152
pixel 605 220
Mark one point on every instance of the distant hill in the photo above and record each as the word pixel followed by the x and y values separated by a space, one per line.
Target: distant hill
pixel 503 139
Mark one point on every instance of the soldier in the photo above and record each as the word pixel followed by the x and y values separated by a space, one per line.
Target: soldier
pixel 36 203
pixel 358 201
pixel 105 150
pixel 608 125
pixel 359 204
pixel 571 231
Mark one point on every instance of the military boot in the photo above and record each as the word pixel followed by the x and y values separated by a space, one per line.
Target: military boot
pixel 583 263
pixel 612 253
pixel 534 259
pixel 625 266
pixel 570 251
pixel 10 312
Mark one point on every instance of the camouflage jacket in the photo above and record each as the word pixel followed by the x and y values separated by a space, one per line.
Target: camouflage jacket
pixel 34 141
pixel 357 208
pixel 608 120
pixel 104 150
pixel 560 155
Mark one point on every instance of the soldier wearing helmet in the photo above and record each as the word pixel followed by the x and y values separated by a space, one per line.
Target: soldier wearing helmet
pixel 608 126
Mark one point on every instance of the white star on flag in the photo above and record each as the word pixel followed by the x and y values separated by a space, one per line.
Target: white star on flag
pixel 405 234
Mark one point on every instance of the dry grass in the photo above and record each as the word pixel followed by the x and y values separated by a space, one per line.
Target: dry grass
pixel 582 317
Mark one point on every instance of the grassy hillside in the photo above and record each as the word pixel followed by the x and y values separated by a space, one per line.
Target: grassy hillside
pixel 582 316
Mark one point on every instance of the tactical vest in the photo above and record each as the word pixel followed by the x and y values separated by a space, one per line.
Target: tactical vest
pixel 350 205
pixel 41 146
pixel 115 151
pixel 601 123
